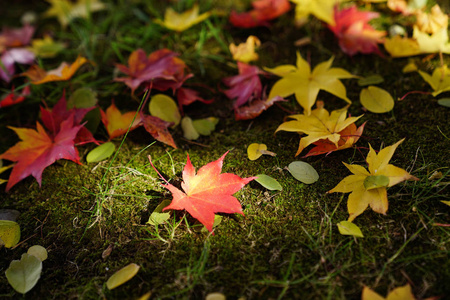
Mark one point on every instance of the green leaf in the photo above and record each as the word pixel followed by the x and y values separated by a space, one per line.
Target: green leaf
pixel 303 172
pixel 165 108
pixel 348 228
pixel 101 152
pixel 369 80
pixel 189 131
pixel 376 181
pixel 122 276
pixel 23 274
pixel 268 182
pixel 158 217
pixel 38 251
pixel 205 126
pixel 376 100
pixel 444 102
pixel 82 98
pixel 9 233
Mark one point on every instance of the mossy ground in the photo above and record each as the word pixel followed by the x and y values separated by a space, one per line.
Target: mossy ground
pixel 288 243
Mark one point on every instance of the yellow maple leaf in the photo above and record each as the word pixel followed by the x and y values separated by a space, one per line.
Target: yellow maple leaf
pixel 65 11
pixel 439 80
pixel 64 72
pixel 299 80
pixel 321 9
pixel 399 293
pixel 245 52
pixel 368 187
pixel 46 47
pixel 181 22
pixel 321 125
pixel 116 123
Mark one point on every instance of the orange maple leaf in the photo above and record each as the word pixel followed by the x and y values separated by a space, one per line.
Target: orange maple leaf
pixel 38 150
pixel 207 192
pixel 116 123
pixel 62 73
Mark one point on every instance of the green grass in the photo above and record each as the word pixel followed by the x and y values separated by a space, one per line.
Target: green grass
pixel 287 245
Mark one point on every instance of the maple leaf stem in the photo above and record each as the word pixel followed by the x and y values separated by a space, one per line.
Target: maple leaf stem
pixel 413 92
pixel 151 163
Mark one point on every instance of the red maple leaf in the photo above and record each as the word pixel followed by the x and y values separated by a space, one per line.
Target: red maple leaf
pixel 158 128
pixel 255 108
pixel 14 98
pixel 245 86
pixel 38 150
pixel 52 119
pixel 263 11
pixel 161 68
pixel 354 32
pixel 207 192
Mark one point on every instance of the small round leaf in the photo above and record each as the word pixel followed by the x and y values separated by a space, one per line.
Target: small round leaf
pixel 444 102
pixel 165 108
pixel 254 151
pixel 38 251
pixel 376 100
pixel 376 181
pixel 9 233
pixel 82 98
pixel 101 152
pixel 303 172
pixel 189 131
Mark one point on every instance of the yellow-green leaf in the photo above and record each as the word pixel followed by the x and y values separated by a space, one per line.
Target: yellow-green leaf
pixel 205 126
pixel 82 98
pixel 376 100
pixel 268 182
pixel 376 181
pixel 349 228
pixel 165 108
pixel 158 217
pixel 23 274
pixel 38 251
pixel 369 80
pixel 189 131
pixel 101 152
pixel 122 276
pixel 9 233
pixel 182 21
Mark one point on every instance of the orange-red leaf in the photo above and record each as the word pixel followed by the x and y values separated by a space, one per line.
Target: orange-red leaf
pixel 207 192
pixel 13 98
pixel 262 12
pixel 116 123
pixel 62 73
pixel 158 129
pixel 38 150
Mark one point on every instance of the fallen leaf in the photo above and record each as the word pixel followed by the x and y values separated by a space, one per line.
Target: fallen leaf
pixel 17 37
pixel 399 293
pixel 158 129
pixel 215 296
pixel 205 126
pixel 320 125
pixel 116 123
pixel 376 100
pixel 369 80
pixel 165 108
pixel 255 150
pixel 444 102
pixel 181 22
pixel 255 108
pixel 82 98
pixel 122 276
pixel 365 189
pixel 101 152
pixel 189 131
pixel 439 80
pixel 349 228
pixel 245 52
pixel 262 12
pixel 245 86
pixel 38 150
pixel 187 96
pixel 38 251
pixel 161 69
pixel 303 172
pixel 299 80
pixel 217 221
pixel 65 10
pixel 321 9
pixel 158 217
pixel 431 22
pixel 64 72
pixel 354 33
pixel 207 192
pixel 14 98
pixel 46 47
pixel 268 182
pixel 10 58
pixel 23 274
pixel 9 233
